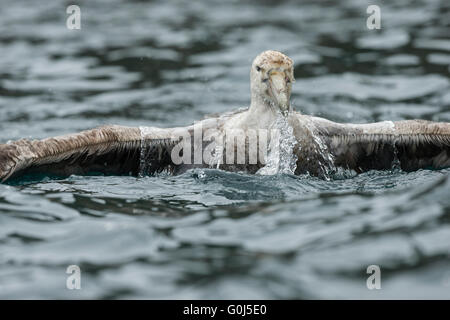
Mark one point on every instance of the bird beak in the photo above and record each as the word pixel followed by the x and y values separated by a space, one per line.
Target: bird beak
pixel 279 91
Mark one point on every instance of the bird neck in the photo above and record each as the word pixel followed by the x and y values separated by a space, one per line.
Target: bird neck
pixel 261 113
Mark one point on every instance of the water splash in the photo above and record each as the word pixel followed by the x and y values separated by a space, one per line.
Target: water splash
pixel 280 157
pixel 217 157
pixel 142 163
pixel 396 164
pixel 326 159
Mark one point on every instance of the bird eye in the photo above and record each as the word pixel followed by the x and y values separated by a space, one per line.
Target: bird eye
pixel 258 68
pixel 265 80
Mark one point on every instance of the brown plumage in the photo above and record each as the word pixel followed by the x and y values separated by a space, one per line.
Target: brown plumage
pixel 322 145
pixel 107 150
pixel 409 144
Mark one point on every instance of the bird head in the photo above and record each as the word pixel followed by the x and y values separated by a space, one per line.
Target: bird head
pixel 271 77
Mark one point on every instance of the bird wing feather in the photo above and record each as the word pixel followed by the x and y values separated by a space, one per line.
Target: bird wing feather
pixel 412 144
pixel 107 149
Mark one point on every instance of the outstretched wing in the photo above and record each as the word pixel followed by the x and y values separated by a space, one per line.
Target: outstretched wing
pixel 410 144
pixel 107 150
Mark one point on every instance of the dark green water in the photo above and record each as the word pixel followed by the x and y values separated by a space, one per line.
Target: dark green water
pixel 209 233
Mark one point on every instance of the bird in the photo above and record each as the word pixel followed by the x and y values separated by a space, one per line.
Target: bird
pixel 307 144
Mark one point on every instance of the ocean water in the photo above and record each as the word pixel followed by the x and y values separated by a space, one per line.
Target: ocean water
pixel 209 233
